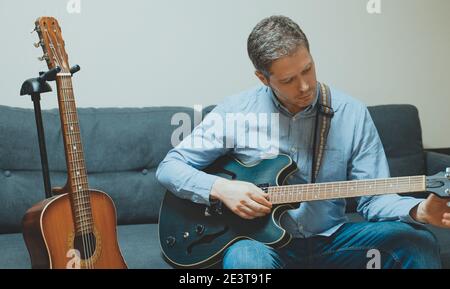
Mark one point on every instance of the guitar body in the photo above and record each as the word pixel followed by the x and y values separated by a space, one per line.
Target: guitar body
pixel 190 239
pixel 49 233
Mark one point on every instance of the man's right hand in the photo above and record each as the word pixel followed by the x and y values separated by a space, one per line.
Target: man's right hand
pixel 242 198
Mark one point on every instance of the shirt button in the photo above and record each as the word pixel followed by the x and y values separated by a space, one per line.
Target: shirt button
pixel 293 150
pixel 144 171
pixel 7 174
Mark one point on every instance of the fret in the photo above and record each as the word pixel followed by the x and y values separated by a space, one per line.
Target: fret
pixel 71 122
pixel 80 209
pixel 73 132
pixel 80 204
pixel 78 195
pixel 77 173
pixel 79 184
pixel 82 199
pixel 84 226
pixel 82 215
pixel 81 193
pixel 73 161
pixel 84 229
pixel 75 143
pixel 76 152
pixel 86 214
pixel 77 155
pixel 69 111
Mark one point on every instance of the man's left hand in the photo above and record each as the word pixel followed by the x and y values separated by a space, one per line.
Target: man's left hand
pixel 433 210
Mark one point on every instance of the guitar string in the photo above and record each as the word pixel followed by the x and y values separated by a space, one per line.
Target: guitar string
pixel 84 183
pixel 84 240
pixel 282 193
pixel 71 158
pixel 79 208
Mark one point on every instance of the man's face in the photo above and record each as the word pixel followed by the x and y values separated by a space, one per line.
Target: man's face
pixel 293 80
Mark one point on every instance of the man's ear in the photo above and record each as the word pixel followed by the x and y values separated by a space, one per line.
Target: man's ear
pixel 262 77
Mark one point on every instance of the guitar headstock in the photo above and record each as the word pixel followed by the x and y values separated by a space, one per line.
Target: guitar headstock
pixel 52 43
pixel 439 184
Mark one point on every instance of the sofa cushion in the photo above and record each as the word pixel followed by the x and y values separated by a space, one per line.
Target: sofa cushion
pixel 122 146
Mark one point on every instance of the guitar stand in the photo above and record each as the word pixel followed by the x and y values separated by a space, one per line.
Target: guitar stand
pixel 34 87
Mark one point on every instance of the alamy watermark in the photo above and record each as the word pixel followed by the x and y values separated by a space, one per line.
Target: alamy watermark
pixel 227 130
pixel 73 6
pixel 375 259
pixel 74 259
pixel 373 7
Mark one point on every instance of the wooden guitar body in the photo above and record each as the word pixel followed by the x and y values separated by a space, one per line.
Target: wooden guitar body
pixel 49 234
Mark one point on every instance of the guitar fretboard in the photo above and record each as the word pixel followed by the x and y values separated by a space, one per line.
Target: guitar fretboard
pixel 345 189
pixel 76 167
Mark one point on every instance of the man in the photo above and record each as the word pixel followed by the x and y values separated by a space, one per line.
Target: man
pixel 323 237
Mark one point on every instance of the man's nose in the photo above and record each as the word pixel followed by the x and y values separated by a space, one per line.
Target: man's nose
pixel 304 87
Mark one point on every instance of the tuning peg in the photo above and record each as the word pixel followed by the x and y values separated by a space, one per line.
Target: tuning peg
pixel 37 29
pixel 39 43
pixel 44 57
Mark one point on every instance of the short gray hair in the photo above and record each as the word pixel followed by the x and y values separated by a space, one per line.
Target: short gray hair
pixel 272 38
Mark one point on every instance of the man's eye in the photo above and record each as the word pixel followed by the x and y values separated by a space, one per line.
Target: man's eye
pixel 287 81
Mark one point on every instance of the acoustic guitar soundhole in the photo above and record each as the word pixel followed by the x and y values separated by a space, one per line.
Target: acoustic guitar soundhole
pixel 85 244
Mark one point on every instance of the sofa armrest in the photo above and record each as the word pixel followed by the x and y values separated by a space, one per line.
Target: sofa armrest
pixel 436 162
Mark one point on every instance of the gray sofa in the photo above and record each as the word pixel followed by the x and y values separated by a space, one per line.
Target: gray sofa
pixel 123 147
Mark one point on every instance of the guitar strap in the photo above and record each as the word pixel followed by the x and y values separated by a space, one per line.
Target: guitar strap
pixel 322 127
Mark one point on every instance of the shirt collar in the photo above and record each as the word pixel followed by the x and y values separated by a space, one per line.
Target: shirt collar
pixel 308 111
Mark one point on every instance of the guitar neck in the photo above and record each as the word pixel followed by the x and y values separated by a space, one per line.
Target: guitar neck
pixel 345 189
pixel 76 168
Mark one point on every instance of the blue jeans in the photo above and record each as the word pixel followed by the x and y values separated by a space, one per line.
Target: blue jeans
pixel 399 245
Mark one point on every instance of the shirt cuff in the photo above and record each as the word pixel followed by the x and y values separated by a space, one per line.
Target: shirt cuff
pixel 202 188
pixel 405 215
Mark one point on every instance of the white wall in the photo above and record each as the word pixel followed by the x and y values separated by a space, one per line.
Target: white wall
pixel 186 52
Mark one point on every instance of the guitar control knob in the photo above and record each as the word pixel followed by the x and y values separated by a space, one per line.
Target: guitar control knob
pixel 186 235
pixel 200 229
pixel 170 241
pixel 447 173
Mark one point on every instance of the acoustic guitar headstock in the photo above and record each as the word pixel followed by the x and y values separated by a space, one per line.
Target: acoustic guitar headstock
pixel 52 43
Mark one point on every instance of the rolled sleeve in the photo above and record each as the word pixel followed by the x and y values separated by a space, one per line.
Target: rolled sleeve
pixel 181 170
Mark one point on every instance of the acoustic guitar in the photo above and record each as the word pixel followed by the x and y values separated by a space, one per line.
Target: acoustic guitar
pixel 77 227
pixel 195 236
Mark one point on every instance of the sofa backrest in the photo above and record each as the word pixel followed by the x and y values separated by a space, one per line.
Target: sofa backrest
pixel 401 134
pixel 123 147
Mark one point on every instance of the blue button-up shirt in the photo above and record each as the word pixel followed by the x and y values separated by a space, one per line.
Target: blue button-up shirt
pixel 353 151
